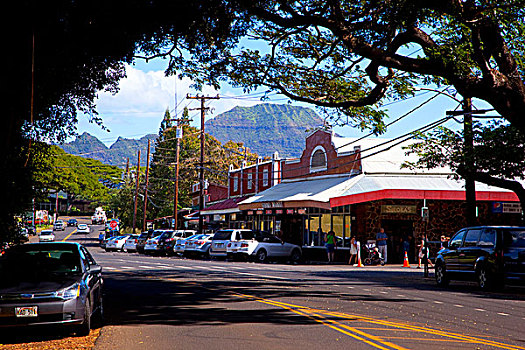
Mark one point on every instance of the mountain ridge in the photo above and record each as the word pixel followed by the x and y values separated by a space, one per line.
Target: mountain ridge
pixel 264 129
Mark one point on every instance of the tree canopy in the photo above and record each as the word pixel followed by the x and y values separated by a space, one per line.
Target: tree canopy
pixel 497 154
pixel 352 55
pixel 346 56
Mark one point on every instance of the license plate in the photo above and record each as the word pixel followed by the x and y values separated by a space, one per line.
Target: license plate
pixel 26 311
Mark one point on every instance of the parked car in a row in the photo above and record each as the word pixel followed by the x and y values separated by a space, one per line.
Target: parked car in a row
pixel 241 244
pixel 116 243
pixel 491 255
pixel 197 246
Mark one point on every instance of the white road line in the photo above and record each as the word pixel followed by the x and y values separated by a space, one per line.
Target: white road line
pixel 109 268
pixel 383 292
pixel 457 305
pixel 127 267
pixel 481 310
pixel 503 314
pixel 438 302
pixel 147 267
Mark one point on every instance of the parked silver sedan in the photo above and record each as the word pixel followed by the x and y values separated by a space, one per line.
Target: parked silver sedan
pixel 131 243
pixel 198 245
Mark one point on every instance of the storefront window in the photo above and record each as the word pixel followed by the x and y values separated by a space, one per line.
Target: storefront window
pixel 338 228
pixel 348 229
pixel 313 231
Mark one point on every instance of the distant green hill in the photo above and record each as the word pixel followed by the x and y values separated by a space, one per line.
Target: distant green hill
pixel 88 146
pixel 266 128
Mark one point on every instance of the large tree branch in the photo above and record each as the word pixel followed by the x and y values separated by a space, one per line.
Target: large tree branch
pixel 511 185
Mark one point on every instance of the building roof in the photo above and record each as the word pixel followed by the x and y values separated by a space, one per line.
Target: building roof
pixel 405 186
pixel 313 191
pixel 382 155
pixel 226 206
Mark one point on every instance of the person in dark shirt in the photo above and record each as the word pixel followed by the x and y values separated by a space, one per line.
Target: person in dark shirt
pixel 381 238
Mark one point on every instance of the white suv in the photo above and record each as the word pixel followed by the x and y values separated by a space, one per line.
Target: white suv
pixel 264 246
pixel 221 239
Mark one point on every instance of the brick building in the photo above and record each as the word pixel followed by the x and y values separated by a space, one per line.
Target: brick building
pixel 356 186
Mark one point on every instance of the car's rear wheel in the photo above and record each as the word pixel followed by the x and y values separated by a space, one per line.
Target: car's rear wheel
pixel 262 256
pixel 441 276
pixel 486 280
pixel 84 328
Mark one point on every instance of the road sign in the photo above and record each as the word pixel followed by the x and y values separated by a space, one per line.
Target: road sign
pixel 113 224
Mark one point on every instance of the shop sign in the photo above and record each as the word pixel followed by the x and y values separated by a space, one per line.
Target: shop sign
pixel 233 217
pixel 259 212
pixel 289 211
pixel 279 211
pixel 301 211
pixel 272 204
pixel 250 212
pixel 398 209
pixel 269 212
pixel 506 208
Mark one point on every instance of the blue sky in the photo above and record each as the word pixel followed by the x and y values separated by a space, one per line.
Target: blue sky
pixel 145 94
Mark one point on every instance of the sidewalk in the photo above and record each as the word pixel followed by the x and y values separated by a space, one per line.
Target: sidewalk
pixel 387 267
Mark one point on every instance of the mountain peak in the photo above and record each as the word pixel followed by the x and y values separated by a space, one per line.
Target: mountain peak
pixel 266 128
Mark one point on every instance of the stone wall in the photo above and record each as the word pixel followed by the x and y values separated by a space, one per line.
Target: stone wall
pixel 445 217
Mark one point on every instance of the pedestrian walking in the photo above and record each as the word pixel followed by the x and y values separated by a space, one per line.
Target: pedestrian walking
pixel 423 254
pixel 353 252
pixel 330 245
pixel 381 242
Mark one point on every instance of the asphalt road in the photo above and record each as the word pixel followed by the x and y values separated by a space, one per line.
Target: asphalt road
pixel 174 303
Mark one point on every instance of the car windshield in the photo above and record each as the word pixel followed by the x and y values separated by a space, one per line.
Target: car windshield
pixel 44 233
pixel 39 263
pixel 223 235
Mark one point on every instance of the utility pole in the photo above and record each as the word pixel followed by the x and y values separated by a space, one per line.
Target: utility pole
pixel 201 170
pixel 146 190
pixel 468 155
pixel 127 169
pixel 470 184
pixel 136 193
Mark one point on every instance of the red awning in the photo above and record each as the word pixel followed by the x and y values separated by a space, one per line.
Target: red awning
pixel 227 205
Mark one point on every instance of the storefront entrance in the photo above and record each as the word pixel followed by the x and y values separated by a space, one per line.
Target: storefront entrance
pixel 397 231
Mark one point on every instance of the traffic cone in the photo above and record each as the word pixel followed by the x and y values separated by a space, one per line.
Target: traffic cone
pixel 405 262
pixel 359 264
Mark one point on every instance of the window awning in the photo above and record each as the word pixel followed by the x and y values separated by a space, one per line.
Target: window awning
pixel 311 192
pixel 404 186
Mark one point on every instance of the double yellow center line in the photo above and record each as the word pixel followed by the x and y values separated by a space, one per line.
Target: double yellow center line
pixel 69 235
pixel 326 318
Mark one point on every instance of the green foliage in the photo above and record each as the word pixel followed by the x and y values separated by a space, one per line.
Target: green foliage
pixel 82 178
pixel 161 187
pixel 499 150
